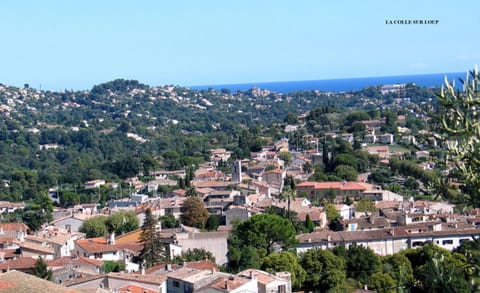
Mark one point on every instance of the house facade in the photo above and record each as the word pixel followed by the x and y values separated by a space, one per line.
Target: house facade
pixel 391 240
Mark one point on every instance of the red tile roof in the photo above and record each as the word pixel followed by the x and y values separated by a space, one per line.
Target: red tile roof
pixel 229 284
pixel 9 253
pixel 347 185
pixel 134 289
pixel 66 260
pixel 128 241
pixel 14 226
pixel 23 263
pixel 96 245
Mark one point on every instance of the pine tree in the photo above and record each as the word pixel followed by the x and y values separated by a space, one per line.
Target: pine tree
pixel 40 270
pixel 153 251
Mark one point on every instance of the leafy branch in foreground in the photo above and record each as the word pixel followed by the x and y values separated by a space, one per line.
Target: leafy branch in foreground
pixel 459 127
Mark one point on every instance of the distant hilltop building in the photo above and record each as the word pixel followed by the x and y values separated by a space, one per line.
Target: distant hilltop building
pixel 256 92
pixel 392 88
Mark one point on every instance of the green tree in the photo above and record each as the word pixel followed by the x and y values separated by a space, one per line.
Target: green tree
pixel 345 159
pixel 288 192
pixel 382 282
pixel 459 122
pixel 40 270
pixel 390 122
pixel 122 222
pixel 333 217
pixel 69 198
pixel 191 192
pixel 286 157
pixel 438 270
pixel 112 266
pixel 362 263
pixel 153 251
pixel 411 183
pixel 400 269
pixel 307 168
pixel 195 214
pixel 241 257
pixel 309 225
pixel 358 129
pixel 365 205
pixel 265 231
pixel 291 118
pixel 258 237
pixel 94 227
pixel 346 172
pixel 471 251
pixel 212 222
pixel 33 217
pixel 332 213
pixel 172 160
pixel 285 261
pixel 168 221
pixel 356 117
pixel 325 271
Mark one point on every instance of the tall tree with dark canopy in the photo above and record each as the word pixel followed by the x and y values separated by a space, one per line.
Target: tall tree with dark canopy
pixel 258 237
pixel 325 270
pixel 153 251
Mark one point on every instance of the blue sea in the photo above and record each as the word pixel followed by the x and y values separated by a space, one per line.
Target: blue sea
pixel 342 85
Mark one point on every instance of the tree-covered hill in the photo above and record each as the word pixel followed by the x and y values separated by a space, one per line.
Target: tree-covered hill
pixel 122 127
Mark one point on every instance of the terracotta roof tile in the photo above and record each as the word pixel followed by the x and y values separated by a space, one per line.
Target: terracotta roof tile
pixel 134 289
pixel 348 185
pixel 229 284
pixel 67 260
pixel 262 277
pixel 14 226
pixel 15 281
pixel 23 263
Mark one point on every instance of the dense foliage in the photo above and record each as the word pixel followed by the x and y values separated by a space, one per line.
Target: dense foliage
pixel 459 128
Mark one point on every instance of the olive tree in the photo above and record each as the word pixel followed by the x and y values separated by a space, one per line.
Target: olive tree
pixel 459 127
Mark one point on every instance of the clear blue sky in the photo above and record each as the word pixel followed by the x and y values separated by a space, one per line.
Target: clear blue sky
pixel 76 44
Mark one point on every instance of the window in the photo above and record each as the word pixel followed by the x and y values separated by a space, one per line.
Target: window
pixel 417 243
pixel 449 241
pixel 282 289
pixel 176 284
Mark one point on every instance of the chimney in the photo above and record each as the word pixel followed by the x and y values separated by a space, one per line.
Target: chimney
pixel 143 271
pixel 371 219
pixel 111 238
pixel 252 277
